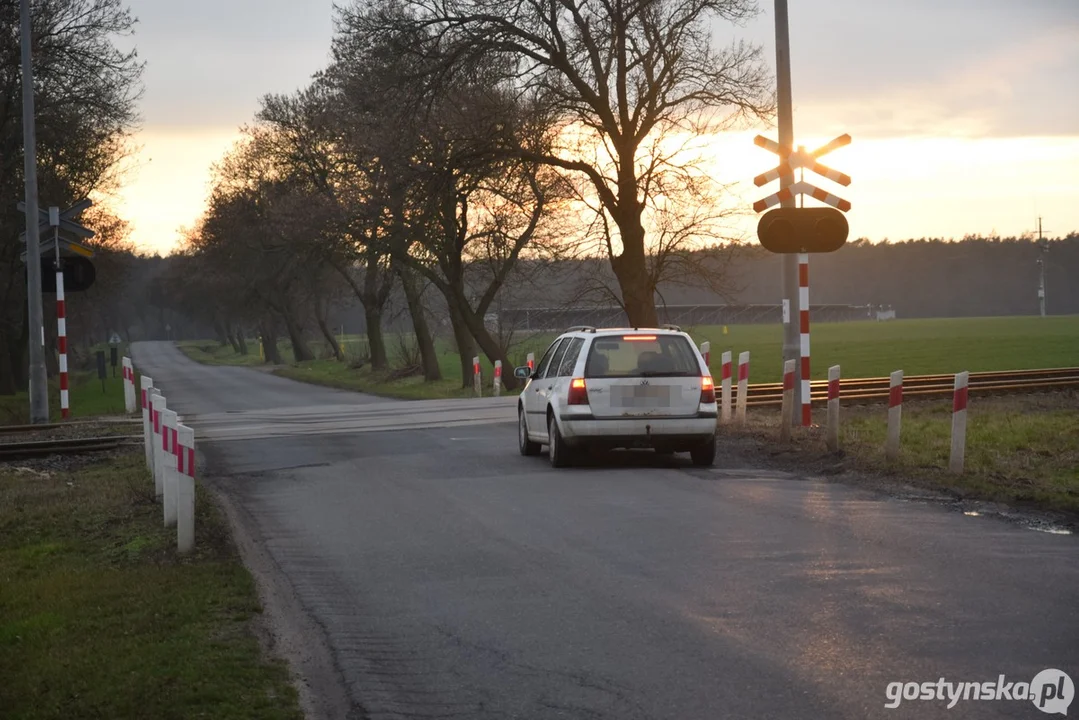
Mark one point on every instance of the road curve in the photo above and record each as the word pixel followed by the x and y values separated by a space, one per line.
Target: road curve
pixel 452 578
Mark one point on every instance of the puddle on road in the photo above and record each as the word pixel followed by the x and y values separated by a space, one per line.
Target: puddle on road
pixel 1036 526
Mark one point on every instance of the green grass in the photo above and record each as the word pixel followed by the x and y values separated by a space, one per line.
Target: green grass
pixel 862 349
pixel 1021 449
pixel 212 353
pixel 85 395
pixel 99 618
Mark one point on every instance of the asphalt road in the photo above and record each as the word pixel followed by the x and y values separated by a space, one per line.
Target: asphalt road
pixel 452 578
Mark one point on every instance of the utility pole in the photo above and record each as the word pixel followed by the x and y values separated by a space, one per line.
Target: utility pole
pixel 1044 247
pixel 39 388
pixel 791 309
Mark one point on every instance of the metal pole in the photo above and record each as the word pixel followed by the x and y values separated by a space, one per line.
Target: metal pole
pixel 1042 246
pixel 791 328
pixel 39 389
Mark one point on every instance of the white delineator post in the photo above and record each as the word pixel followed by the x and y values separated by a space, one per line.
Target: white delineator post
pixel 477 378
pixel 959 422
pixel 832 437
pixel 158 405
pixel 146 392
pixel 129 385
pixel 743 387
pixel 168 466
pixel 803 312
pixel 895 414
pixel 185 488
pixel 61 343
pixel 498 378
pixel 706 351
pixel 787 412
pixel 725 388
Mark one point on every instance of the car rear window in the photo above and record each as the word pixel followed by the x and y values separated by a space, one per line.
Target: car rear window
pixel 641 355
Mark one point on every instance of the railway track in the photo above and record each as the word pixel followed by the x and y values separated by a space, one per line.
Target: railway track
pixel 874 390
pixel 66 446
pixel 16 429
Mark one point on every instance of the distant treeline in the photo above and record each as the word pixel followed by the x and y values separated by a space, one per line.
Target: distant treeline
pixel 918 278
pixel 922 278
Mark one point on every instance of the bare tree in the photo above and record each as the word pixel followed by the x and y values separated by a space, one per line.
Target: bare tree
pixel 86 89
pixel 613 79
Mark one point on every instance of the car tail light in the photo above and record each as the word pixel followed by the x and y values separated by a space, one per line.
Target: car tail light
pixel 578 393
pixel 708 390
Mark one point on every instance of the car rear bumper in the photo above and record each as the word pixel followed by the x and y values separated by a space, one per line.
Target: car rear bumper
pixel 638 432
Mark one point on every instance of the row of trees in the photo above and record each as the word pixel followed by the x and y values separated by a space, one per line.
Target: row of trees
pixel 450 146
pixel 86 90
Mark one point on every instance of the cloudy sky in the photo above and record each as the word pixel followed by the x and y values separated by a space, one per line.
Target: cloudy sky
pixel 964 113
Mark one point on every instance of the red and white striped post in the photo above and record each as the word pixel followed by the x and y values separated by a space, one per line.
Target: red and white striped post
pixel 61 342
pixel 743 387
pixel 157 404
pixel 803 311
pixel 498 378
pixel 531 363
pixel 787 412
pixel 895 414
pixel 477 378
pixel 832 438
pixel 725 388
pixel 959 422
pixel 129 385
pixel 706 351
pixel 168 466
pixel 147 388
pixel 185 488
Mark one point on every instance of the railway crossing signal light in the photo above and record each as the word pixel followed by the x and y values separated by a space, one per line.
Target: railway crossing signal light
pixel 79 274
pixel 803 230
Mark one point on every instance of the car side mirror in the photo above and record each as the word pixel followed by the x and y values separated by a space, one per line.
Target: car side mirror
pixel 522 373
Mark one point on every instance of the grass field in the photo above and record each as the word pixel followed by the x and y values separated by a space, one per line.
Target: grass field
pixel 99 618
pixel 862 349
pixel 917 347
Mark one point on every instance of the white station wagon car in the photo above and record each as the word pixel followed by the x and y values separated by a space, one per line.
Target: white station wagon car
pixel 619 388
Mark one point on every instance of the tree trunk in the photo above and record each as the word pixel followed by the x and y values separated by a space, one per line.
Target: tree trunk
pixel 269 343
pixel 488 343
pixel 428 355
pixel 221 331
pixel 320 317
pixel 631 268
pixel 241 340
pixel 490 347
pixel 372 315
pixel 466 346
pixel 373 298
pixel 300 350
pixel 7 372
pixel 231 337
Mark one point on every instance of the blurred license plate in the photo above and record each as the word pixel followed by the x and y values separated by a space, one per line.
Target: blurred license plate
pixel 642 396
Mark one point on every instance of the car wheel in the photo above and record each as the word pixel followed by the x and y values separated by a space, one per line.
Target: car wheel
pixel 556 446
pixel 526 446
pixel 704 455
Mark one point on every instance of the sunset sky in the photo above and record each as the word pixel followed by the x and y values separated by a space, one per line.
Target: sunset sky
pixel 964 113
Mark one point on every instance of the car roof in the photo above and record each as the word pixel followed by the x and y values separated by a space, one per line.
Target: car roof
pixel 591 332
